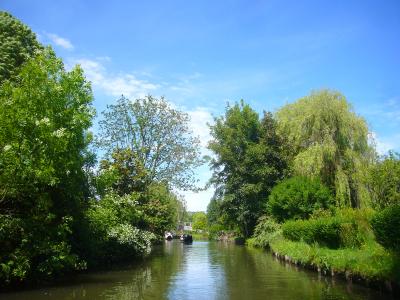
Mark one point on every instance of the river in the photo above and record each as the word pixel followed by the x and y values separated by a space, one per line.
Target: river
pixel 202 270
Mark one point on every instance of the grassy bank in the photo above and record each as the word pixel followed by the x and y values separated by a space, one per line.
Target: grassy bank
pixel 371 264
pixel 200 236
pixel 340 243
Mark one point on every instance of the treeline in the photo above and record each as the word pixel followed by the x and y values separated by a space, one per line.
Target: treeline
pixel 61 210
pixel 307 182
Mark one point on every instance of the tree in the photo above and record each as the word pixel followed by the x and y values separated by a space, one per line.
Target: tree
pixel 18 44
pixel 199 221
pixel 327 139
pixel 213 212
pixel 157 139
pixel 384 181
pixel 160 208
pixel 247 164
pixel 45 115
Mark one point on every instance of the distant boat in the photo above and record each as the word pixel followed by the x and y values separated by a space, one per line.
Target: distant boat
pixel 186 238
pixel 168 236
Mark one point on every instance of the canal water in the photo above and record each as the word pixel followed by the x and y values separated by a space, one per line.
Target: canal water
pixel 202 270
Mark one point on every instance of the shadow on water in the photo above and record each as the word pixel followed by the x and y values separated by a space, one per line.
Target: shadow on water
pixel 203 270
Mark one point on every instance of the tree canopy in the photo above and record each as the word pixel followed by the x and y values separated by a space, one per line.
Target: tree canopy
pixel 325 138
pixel 384 181
pixel 45 115
pixel 199 221
pixel 248 162
pixel 157 139
pixel 18 44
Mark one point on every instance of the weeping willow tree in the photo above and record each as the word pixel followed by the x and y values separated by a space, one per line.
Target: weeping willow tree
pixel 325 138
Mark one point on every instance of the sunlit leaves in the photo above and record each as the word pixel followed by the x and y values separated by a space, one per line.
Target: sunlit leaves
pixel 325 138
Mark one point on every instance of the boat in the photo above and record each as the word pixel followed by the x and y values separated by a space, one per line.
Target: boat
pixel 168 236
pixel 186 238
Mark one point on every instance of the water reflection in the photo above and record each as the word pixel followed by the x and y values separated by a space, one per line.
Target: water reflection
pixel 198 275
pixel 202 270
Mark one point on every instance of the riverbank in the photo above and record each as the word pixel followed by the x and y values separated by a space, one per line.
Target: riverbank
pixel 370 265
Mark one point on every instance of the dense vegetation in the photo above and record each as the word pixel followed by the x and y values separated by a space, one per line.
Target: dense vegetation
pixel 60 211
pixel 248 161
pixel 307 183
pixel 298 198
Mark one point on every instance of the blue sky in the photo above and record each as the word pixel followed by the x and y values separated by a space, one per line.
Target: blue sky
pixel 201 54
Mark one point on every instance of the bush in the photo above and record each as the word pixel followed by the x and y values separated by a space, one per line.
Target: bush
pixel 347 228
pixel 111 233
pixel 35 249
pixel 216 230
pixel 324 231
pixel 386 226
pixel 265 231
pixel 298 198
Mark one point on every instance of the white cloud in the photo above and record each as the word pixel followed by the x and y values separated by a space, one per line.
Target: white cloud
pixel 60 41
pixel 199 117
pixel 198 201
pixel 384 144
pixel 114 84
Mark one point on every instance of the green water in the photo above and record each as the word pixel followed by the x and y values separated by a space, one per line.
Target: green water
pixel 203 270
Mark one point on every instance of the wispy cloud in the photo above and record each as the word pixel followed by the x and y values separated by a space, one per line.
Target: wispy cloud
pixel 388 110
pixel 385 144
pixel 114 84
pixel 60 41
pixel 200 117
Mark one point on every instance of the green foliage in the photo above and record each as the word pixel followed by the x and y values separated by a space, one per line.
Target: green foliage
pixel 199 221
pixel 112 234
pixel 346 228
pixel 325 232
pixel 35 249
pixel 216 230
pixel 44 117
pixel 247 163
pixel 18 44
pixel 298 198
pixel 122 173
pixel 154 143
pixel 383 181
pixel 386 225
pixel 213 212
pixel 265 232
pixel 326 139
pixel 160 209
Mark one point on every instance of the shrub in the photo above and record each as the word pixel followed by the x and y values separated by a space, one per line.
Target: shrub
pixel 35 249
pixel 131 239
pixel 298 198
pixel 111 233
pixel 324 231
pixel 346 228
pixel 216 230
pixel 386 226
pixel 265 231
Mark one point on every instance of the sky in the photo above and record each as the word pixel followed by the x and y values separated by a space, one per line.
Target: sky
pixel 202 54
